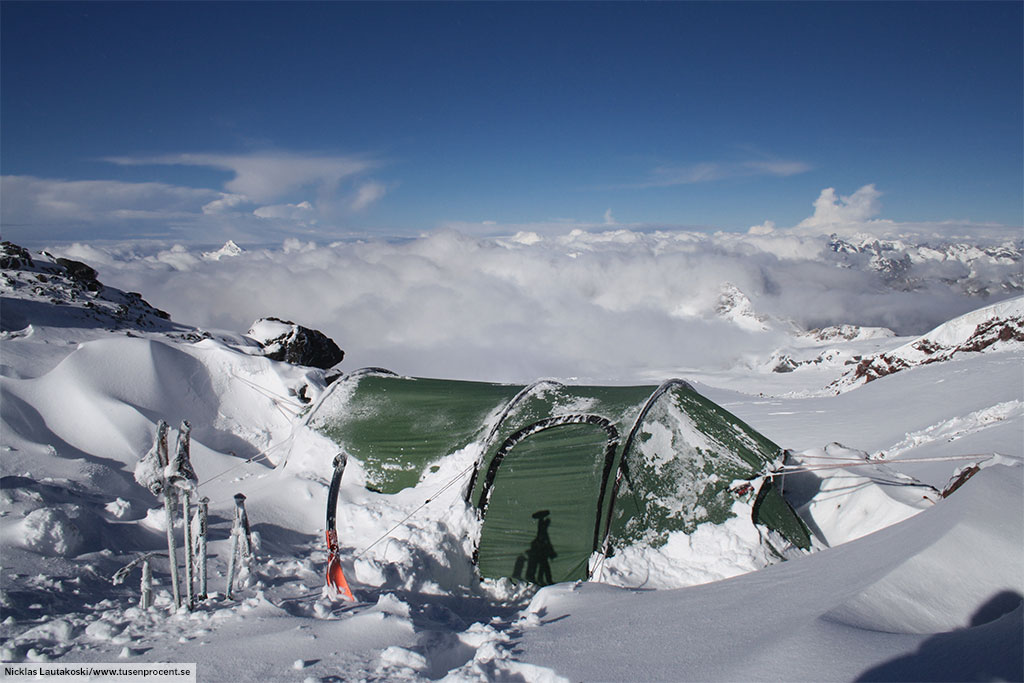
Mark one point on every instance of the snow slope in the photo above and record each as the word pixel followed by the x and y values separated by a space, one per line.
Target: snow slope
pixel 998 327
pixel 921 600
pixel 903 584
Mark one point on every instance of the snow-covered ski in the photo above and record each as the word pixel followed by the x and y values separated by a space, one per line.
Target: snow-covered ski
pixel 335 577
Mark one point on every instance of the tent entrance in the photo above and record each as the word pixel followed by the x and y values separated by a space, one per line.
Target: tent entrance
pixel 542 499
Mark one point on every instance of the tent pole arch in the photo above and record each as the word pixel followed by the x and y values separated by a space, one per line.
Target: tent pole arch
pixel 523 393
pixel 361 372
pixel 611 447
pixel 623 470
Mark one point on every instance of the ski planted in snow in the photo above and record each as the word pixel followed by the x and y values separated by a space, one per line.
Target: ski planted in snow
pixel 335 577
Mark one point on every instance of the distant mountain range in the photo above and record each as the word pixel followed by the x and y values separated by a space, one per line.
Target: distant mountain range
pixel 907 265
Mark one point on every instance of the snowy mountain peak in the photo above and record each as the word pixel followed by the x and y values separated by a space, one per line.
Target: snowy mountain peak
pixel 735 306
pixel 228 250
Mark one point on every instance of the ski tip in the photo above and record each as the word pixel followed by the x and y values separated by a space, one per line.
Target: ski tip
pixel 336 580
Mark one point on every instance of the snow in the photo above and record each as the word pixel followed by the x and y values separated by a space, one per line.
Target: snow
pixel 269 329
pixel 710 553
pixel 828 616
pixel 49 531
pixel 958 330
pixel 884 497
pixel 900 584
pixel 227 251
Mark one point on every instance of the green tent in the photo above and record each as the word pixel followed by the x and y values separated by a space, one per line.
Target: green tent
pixel 561 471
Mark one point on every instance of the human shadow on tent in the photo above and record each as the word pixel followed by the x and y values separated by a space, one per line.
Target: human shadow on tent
pixel 538 556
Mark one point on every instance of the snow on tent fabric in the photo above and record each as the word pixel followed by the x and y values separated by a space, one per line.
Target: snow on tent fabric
pixel 563 471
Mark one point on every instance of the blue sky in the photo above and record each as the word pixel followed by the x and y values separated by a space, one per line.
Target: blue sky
pixel 197 121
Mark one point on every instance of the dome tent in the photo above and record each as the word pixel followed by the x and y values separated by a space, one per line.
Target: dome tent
pixel 562 471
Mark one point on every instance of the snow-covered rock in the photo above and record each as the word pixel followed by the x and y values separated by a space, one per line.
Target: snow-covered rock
pixel 733 305
pixel 285 341
pixel 48 290
pixel 834 333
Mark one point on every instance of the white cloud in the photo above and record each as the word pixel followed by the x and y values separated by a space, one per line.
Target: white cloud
pixel 709 171
pixel 367 194
pixel 293 212
pixel 834 212
pixel 268 176
pixel 609 219
pixel 766 228
pixel 226 204
pixel 267 195
pixel 41 201
pixel 36 209
pixel 776 168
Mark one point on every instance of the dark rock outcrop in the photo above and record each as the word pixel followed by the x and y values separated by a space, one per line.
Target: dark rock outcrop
pixel 14 257
pixel 285 341
pixel 80 272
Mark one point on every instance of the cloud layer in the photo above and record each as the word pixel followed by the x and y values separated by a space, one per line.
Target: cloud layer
pixel 617 305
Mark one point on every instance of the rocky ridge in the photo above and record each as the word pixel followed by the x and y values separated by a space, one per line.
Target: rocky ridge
pixel 43 289
pixel 992 328
pixel 27 281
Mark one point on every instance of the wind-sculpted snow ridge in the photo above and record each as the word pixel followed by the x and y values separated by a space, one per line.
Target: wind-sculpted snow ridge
pixel 956 428
pixel 999 327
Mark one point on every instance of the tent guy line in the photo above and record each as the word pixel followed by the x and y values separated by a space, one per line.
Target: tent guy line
pixel 422 505
pixel 790 469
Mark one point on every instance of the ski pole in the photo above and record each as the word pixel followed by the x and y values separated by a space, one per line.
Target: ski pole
pixel 203 514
